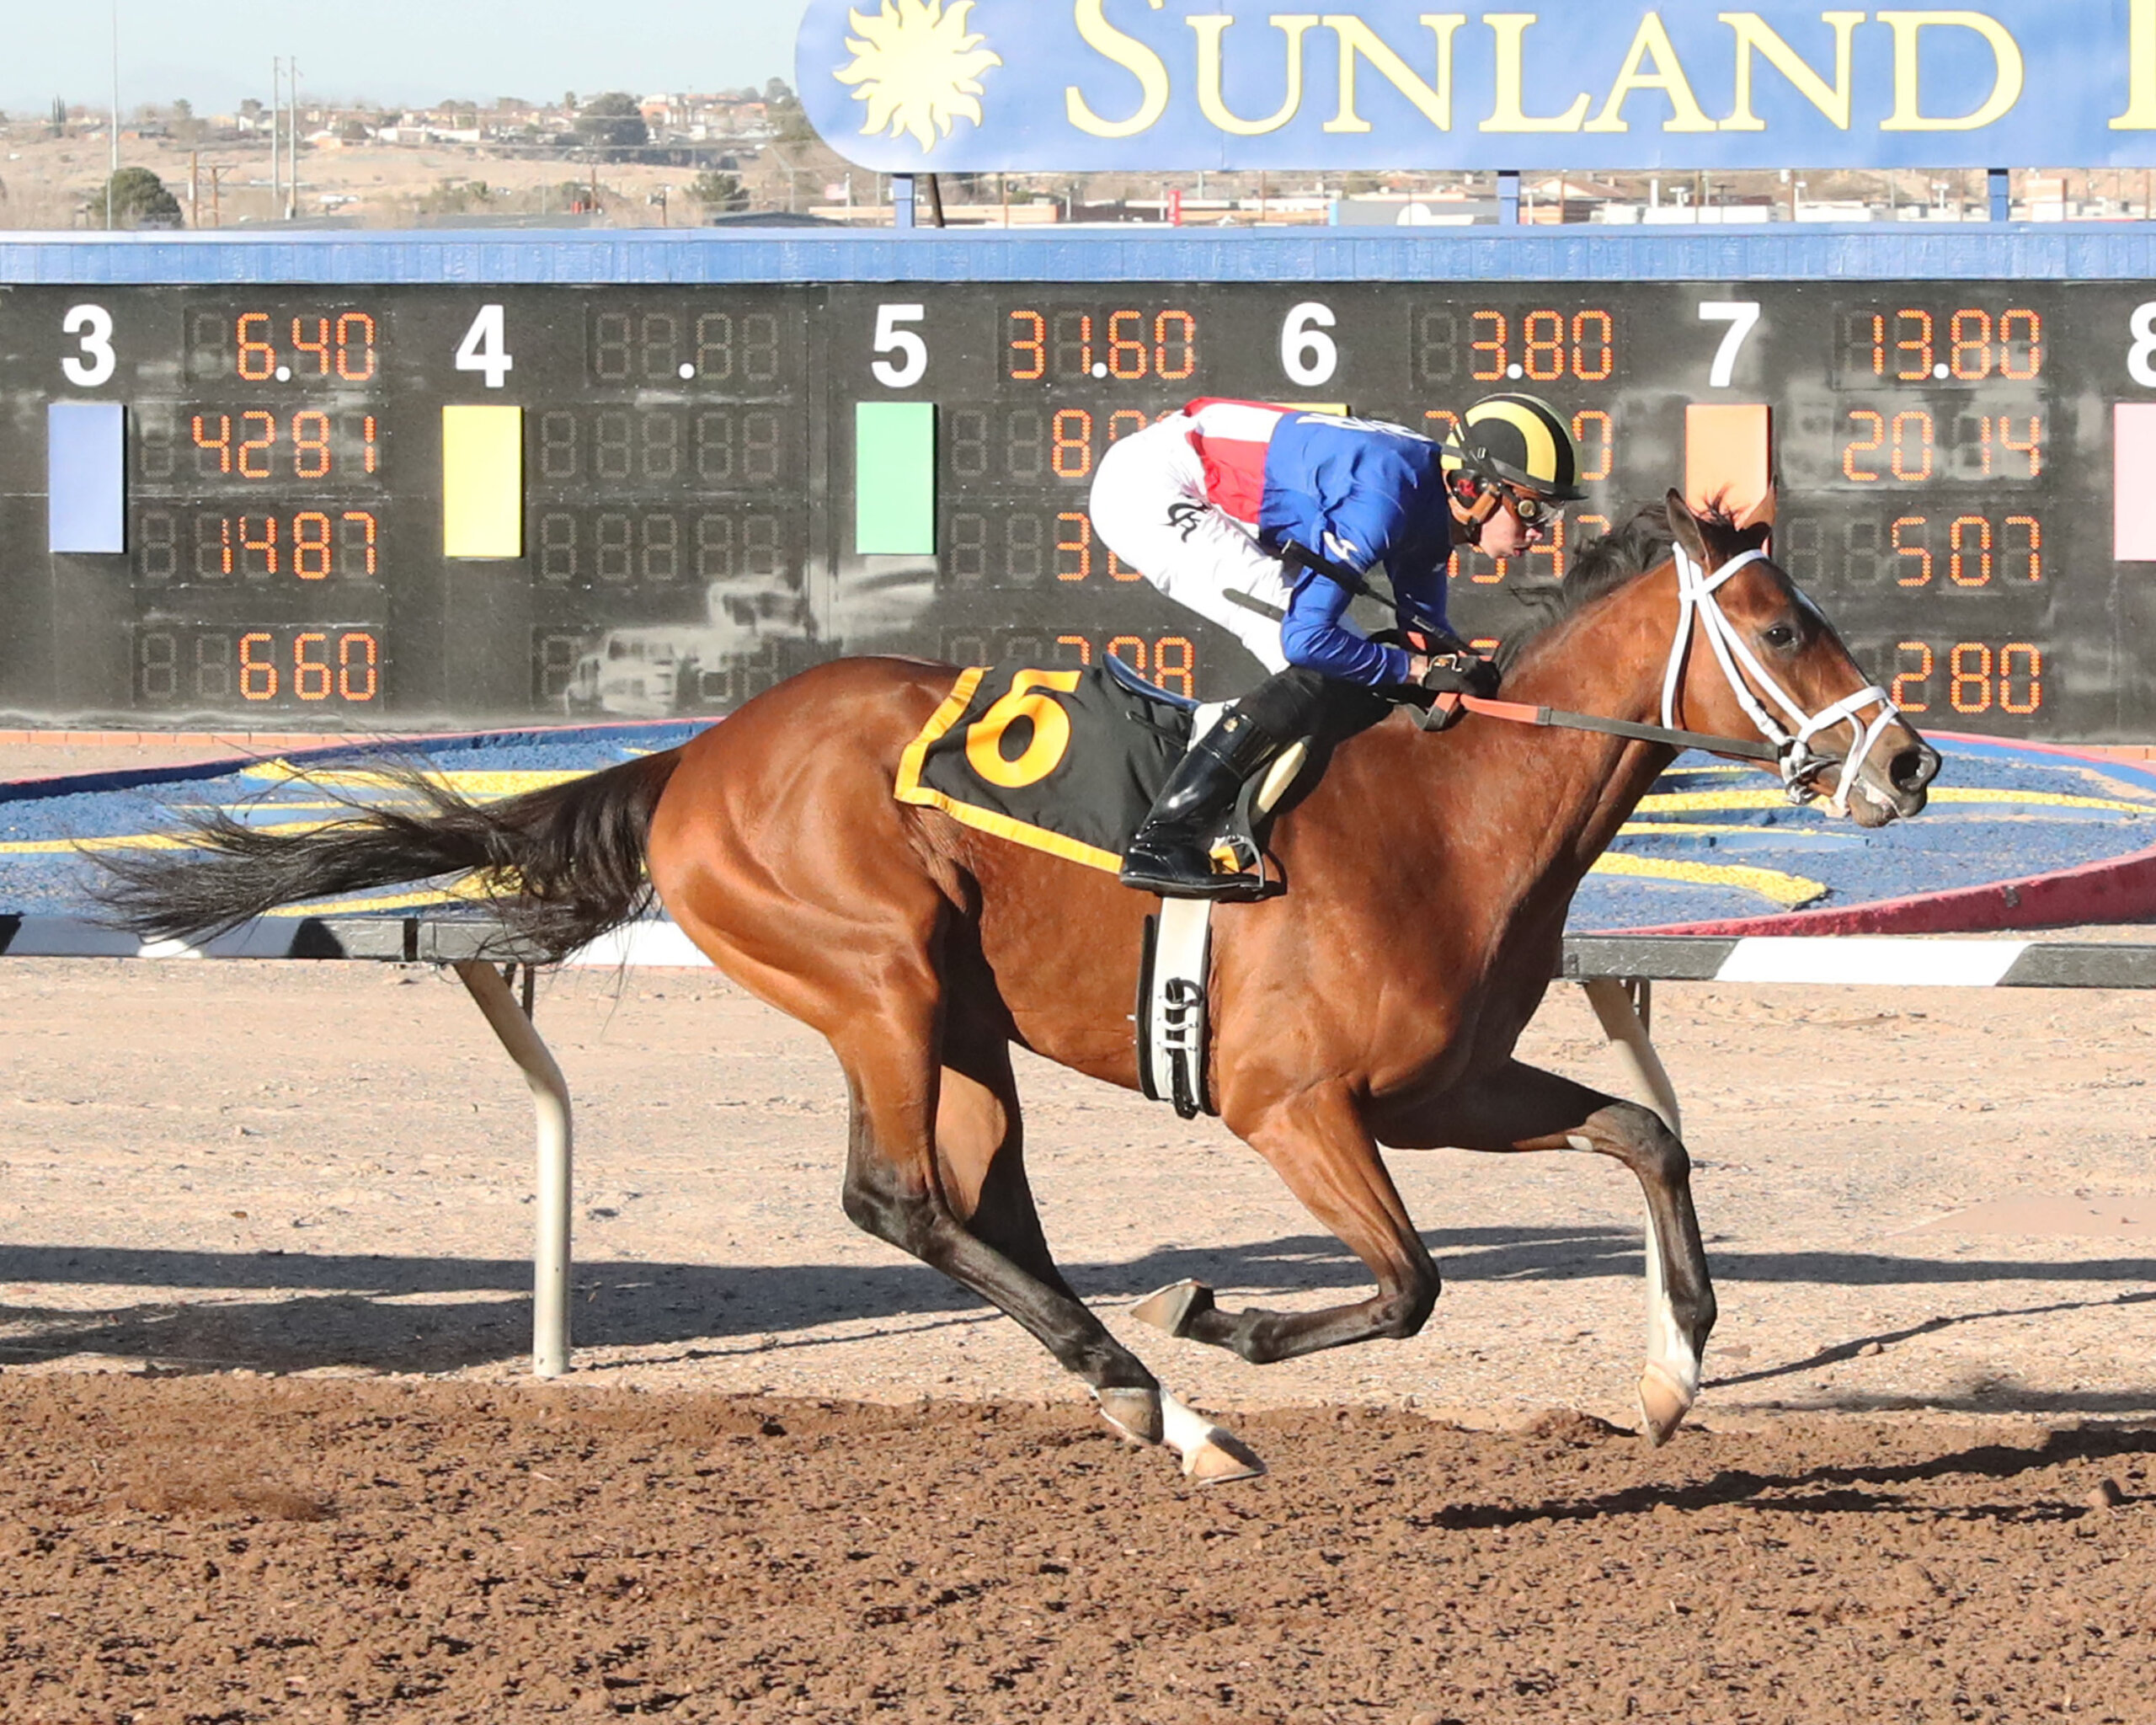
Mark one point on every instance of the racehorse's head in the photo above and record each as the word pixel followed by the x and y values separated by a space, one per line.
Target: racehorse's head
pixel 1752 654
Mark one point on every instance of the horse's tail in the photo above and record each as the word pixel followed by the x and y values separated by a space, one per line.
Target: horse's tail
pixel 561 865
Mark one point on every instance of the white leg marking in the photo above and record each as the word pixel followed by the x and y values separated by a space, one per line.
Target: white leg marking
pixel 1579 1143
pixel 1670 1382
pixel 1211 1455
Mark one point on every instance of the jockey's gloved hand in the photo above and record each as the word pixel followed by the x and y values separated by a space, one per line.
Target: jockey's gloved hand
pixel 1460 671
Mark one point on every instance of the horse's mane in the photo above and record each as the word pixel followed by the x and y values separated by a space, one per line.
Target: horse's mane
pixel 1604 564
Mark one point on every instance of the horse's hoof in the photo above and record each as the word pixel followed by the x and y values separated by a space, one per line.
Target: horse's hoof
pixel 1663 1402
pixel 1222 1459
pixel 1173 1307
pixel 1136 1414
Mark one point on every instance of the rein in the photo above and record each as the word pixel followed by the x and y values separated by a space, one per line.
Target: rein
pixel 1520 712
pixel 1791 751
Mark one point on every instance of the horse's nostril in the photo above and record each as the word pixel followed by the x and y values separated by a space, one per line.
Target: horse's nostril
pixel 1914 768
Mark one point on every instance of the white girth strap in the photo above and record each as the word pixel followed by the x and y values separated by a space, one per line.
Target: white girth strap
pixel 1695 597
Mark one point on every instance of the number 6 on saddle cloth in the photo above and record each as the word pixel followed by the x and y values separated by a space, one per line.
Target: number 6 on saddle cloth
pixel 1069 762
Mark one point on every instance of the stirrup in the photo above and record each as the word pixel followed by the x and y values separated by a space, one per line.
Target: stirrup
pixel 1230 869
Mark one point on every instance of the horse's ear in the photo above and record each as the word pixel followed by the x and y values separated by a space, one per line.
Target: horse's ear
pixel 1685 525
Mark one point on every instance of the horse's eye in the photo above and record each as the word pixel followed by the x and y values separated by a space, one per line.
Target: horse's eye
pixel 1781 637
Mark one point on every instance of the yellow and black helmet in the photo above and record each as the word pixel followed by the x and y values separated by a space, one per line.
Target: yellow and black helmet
pixel 1522 441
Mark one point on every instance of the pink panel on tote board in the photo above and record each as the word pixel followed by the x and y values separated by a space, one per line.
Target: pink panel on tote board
pixel 2133 482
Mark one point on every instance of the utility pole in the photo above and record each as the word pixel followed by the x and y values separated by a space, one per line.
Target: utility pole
pixel 276 92
pixel 114 173
pixel 216 197
pixel 291 137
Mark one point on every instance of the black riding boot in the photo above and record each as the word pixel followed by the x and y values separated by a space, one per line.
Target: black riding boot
pixel 1173 851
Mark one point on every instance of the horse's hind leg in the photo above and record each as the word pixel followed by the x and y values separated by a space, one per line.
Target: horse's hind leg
pixel 1522 1108
pixel 980 1165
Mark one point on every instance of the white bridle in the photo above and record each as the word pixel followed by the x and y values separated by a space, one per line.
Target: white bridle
pixel 1695 597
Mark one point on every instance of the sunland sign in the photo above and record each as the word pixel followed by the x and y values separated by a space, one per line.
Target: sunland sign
pixel 918 86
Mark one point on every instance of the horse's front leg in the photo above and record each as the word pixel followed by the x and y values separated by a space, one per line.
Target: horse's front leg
pixel 1317 1142
pixel 1522 1108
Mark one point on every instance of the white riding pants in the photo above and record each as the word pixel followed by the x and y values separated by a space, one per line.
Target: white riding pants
pixel 1149 506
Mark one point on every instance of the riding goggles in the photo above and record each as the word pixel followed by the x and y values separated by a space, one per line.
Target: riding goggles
pixel 1533 511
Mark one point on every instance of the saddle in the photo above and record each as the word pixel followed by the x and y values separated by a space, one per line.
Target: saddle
pixel 1068 761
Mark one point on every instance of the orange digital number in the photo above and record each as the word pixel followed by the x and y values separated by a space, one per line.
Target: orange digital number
pixel 357 676
pixel 1922 577
pixel 1542 340
pixel 1593 432
pixel 265 544
pixel 1913 687
pixel 1916 421
pixel 1493 345
pixel 319 346
pixel 355 338
pixel 258 676
pixel 311 446
pixel 310 546
pixel 1969 690
pixel 1961 569
pixel 1168 658
pixel 2030 675
pixel 222 442
pixel 1071 456
pixel 1129 356
pixel 1863 446
pixel 2030 342
pixel 366 521
pixel 1175 658
pixel 1914 359
pixel 1182 342
pixel 1074 543
pixel 310 677
pixel 2034 550
pixel 2032 451
pixel 261 445
pixel 257 359
pixel 1594 334
pixel 1036 344
pixel 1125 419
pixel 1972 353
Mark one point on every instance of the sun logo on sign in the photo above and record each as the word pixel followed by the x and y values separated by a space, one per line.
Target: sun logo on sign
pixel 915 66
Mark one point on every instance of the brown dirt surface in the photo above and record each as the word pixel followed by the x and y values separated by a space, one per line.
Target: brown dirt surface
pixel 264 1304
pixel 207 1551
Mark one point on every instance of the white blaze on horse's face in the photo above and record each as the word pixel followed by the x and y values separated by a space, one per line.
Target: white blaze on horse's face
pixel 1787 670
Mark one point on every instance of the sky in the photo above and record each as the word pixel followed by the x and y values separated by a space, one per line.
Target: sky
pixel 216 52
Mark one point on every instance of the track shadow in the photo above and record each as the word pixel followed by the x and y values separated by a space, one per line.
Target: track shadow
pixel 1875 1489
pixel 294 1310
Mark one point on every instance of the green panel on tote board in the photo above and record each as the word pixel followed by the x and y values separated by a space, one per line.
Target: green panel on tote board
pixel 895 478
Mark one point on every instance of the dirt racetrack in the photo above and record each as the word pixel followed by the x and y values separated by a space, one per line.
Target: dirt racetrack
pixel 283 1209
pixel 264 1313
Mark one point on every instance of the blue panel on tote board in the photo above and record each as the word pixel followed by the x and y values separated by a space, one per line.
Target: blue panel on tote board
pixel 86 476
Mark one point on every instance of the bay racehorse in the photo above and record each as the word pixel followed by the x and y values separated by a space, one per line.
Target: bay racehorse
pixel 1377 1003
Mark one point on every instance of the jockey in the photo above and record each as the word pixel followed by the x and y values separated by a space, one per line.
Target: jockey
pixel 1267 522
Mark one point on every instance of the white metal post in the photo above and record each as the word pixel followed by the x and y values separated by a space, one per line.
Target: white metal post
pixel 550 1098
pixel 1627 1031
